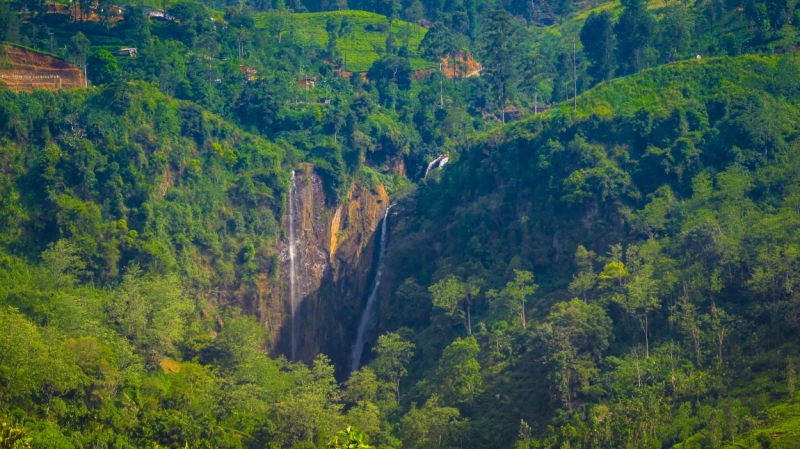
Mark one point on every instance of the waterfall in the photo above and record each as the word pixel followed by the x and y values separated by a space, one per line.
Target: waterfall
pixel 368 318
pixel 292 272
pixel 437 163
pixel 430 166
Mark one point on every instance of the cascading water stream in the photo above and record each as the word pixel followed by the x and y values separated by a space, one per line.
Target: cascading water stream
pixel 292 271
pixel 437 163
pixel 368 318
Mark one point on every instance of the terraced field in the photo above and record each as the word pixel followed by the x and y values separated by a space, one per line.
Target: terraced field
pixel 22 69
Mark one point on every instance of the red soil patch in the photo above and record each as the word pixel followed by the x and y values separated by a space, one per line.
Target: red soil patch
pixel 26 70
pixel 462 66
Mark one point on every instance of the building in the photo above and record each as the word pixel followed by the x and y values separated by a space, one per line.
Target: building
pixel 130 51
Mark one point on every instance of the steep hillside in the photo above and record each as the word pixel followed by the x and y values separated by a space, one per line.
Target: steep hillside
pixel 130 177
pixel 666 204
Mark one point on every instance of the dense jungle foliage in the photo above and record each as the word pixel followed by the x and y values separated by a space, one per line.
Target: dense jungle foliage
pixel 616 269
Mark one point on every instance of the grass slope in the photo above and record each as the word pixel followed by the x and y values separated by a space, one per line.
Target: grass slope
pixel 360 46
pixel 664 88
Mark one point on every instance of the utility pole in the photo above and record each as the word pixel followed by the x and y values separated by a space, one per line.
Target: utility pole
pixel 535 101
pixel 441 86
pixel 574 78
pixel 51 42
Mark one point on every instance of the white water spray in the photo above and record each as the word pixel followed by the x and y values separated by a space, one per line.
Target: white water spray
pixel 368 319
pixel 436 163
pixel 292 272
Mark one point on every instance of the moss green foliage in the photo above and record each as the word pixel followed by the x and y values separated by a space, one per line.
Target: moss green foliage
pixel 361 44
pixel 130 176
pixel 674 189
pixel 617 272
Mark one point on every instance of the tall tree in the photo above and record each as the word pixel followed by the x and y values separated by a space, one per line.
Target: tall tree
pixel 515 294
pixel 332 27
pixel 500 53
pixel 459 371
pixel 634 30
pixel 394 353
pixel 597 37
pixel 79 49
pixel 455 298
pixel 779 12
pixel 675 31
pixel 137 19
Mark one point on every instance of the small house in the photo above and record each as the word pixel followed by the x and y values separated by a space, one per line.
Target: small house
pixel 130 51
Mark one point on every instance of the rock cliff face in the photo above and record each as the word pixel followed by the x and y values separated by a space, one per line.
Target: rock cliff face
pixel 334 260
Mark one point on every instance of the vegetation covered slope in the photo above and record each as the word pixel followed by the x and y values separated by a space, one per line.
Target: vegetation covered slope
pixel 360 42
pixel 131 176
pixel 666 207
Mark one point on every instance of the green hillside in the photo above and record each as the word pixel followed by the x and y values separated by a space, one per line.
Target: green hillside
pixel 662 200
pixel 362 47
pixel 203 249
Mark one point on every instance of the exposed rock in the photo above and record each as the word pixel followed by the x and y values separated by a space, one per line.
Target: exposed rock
pixel 334 261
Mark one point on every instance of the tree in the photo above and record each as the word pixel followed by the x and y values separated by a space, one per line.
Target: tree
pixel 524 436
pixel 392 69
pixel 586 279
pixel 500 53
pixel 361 386
pixel 640 297
pixel 151 312
pixel 188 12
pixel 138 20
pixel 437 42
pixel 634 30
pixel 332 27
pixel 349 438
pixel 455 298
pixel 615 270
pixel 103 67
pixel 652 219
pixel 394 353
pixel 597 37
pixel 459 372
pixel 569 343
pixel 675 31
pixel 63 264
pixel 13 437
pixel 278 24
pixel 9 23
pixel 431 426
pixel 79 49
pixel 778 12
pixel 515 294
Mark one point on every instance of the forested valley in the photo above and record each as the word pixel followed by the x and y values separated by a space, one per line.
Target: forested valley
pixel 399 224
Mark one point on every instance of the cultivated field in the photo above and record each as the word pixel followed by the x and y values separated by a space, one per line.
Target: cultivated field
pixel 362 47
pixel 25 70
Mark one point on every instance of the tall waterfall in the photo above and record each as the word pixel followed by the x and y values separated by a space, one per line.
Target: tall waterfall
pixel 368 318
pixel 292 271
